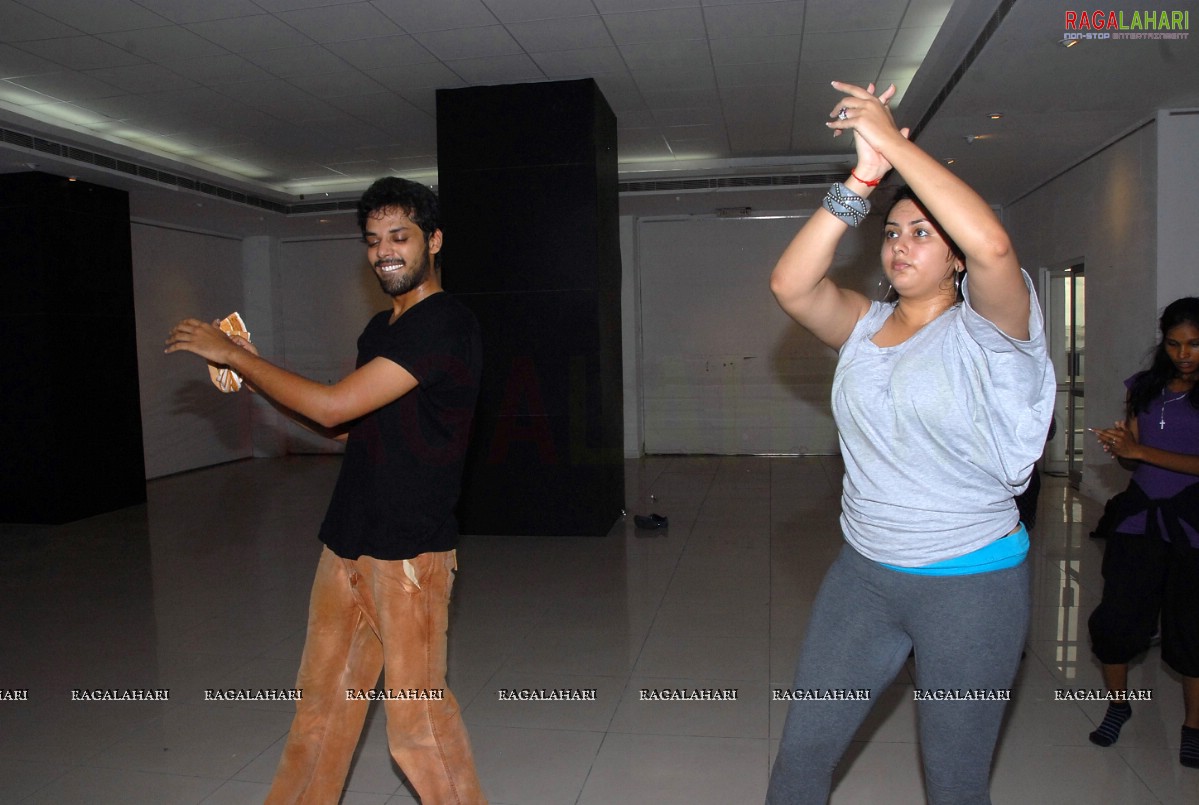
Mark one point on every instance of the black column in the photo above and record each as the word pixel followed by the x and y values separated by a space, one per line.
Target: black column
pixel 70 413
pixel 528 185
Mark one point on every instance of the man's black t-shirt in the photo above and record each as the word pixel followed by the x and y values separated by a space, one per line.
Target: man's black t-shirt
pixel 403 464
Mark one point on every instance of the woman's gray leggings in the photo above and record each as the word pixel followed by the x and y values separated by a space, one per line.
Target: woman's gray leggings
pixel 967 632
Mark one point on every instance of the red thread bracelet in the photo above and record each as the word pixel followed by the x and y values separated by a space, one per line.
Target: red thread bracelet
pixel 863 181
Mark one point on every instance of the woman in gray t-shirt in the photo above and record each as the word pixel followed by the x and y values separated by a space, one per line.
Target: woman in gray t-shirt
pixel 942 399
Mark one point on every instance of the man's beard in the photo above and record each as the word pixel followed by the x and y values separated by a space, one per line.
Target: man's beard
pixel 405 278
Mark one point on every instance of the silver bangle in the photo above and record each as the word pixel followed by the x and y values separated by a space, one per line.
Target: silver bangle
pixel 846 204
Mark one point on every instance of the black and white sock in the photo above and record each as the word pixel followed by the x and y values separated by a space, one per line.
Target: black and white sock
pixel 1109 731
pixel 1188 752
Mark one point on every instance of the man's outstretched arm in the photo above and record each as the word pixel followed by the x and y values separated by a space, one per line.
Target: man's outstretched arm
pixel 366 389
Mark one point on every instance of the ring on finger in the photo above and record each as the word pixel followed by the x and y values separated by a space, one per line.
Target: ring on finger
pixel 843 113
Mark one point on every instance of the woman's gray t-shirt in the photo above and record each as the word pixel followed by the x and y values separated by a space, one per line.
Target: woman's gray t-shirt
pixel 938 433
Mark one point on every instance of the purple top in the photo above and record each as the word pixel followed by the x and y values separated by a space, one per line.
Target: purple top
pixel 1180 434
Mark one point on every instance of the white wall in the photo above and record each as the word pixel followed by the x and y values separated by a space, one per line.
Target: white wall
pixel 1177 204
pixel 1103 212
pixel 325 293
pixel 724 369
pixel 630 332
pixel 304 302
pixel 186 421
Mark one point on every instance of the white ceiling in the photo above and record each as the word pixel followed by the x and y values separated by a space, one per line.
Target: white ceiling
pixel 283 99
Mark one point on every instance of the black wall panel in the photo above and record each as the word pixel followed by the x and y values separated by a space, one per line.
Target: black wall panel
pixel 527 179
pixel 70 419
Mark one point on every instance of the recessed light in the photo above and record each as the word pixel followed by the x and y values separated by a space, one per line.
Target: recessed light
pixel 996 115
pixel 1067 43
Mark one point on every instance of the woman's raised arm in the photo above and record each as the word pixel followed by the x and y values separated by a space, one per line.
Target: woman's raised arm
pixel 997 289
pixel 800 280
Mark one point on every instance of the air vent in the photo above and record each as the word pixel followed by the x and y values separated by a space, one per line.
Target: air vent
pixel 84 156
pixel 716 183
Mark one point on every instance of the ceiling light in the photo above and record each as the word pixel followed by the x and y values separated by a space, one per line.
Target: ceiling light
pixel 950 161
pixel 1067 43
pixel 996 115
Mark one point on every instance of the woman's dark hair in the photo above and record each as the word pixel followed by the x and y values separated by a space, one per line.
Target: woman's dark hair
pixel 417 201
pixel 905 194
pixel 1152 382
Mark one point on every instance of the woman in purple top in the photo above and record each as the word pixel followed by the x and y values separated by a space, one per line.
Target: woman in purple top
pixel 1151 561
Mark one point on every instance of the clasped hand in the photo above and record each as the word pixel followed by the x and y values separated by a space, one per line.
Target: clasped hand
pixel 1118 440
pixel 870 120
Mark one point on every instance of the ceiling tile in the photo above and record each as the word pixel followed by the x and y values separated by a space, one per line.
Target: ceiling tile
pixel 69 86
pixel 15 62
pixel 101 16
pixel 217 70
pixel 749 75
pixel 341 23
pixel 307 59
pixel 850 71
pixel 637 120
pixel 613 6
pixel 756 19
pixel 761 133
pixel 754 49
pixel 682 99
pixel 743 100
pixel 469 43
pixel 587 62
pixel 142 78
pixel 283 6
pixel 184 11
pixel 419 16
pixel 856 45
pixel 561 34
pixel 675 80
pixel 337 84
pixel 22 24
pixel 81 52
pixel 424 98
pixel 509 11
pixel 385 110
pixel 279 98
pixel 387 51
pixel 159 44
pixel 497 69
pixel 824 16
pixel 430 74
pixel 689 116
pixel 621 92
pixel 656 26
pixel 250 34
pixel 686 54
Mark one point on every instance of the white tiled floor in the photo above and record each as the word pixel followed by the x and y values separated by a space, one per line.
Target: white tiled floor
pixel 206 587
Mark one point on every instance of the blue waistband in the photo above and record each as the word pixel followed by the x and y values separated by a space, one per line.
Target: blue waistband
pixel 1003 553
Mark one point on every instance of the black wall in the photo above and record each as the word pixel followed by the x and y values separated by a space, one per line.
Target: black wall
pixel 70 416
pixel 528 185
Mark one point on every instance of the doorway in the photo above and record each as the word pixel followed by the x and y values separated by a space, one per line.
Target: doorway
pixel 1065 323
